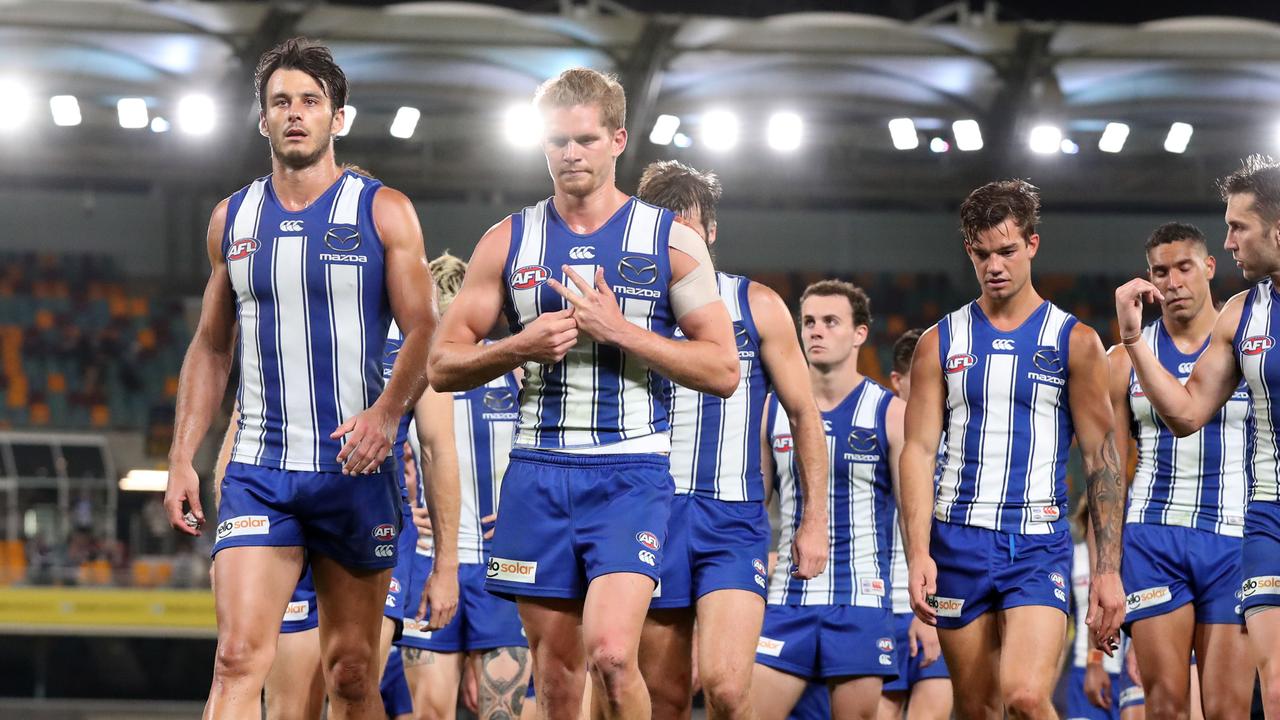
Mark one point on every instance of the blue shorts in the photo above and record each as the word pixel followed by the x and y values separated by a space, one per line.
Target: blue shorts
pixel 1260 559
pixel 301 614
pixel 814 704
pixel 1078 705
pixel 981 570
pixel 402 577
pixel 568 519
pixel 396 699
pixel 353 519
pixel 1165 567
pixel 817 642
pixel 712 545
pixel 483 622
pixel 909 670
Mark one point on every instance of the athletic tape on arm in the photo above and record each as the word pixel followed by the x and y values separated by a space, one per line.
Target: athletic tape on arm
pixel 698 287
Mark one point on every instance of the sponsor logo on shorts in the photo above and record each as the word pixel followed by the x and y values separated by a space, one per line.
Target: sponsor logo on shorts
pixel 1057 579
pixel 648 539
pixel 1261 585
pixel 1062 596
pixel 872 586
pixel 394 587
pixel 384 551
pixel 1147 598
pixel 413 628
pixel 1048 513
pixel 782 443
pixel 759 567
pixel 760 581
pixel 1256 344
pixel 297 611
pixel 529 276
pixel 769 646
pixel 647 558
pixel 885 644
pixel 945 606
pixel 391 601
pixel 886 660
pixel 512 570
pixel 960 363
pixel 244 525
pixel 385 531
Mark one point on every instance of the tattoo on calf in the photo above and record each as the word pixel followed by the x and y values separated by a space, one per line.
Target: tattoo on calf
pixel 503 678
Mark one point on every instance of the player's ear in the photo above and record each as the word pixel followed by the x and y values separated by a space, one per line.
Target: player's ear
pixel 339 119
pixel 262 124
pixel 1033 245
pixel 619 141
pixel 1210 266
pixel 860 335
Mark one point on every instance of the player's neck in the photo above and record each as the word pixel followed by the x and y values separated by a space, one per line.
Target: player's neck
pixel 297 188
pixel 1189 335
pixel 831 385
pixel 1008 314
pixel 585 214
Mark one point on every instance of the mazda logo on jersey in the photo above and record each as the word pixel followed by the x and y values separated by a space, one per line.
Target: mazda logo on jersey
pixel 638 270
pixel 1048 360
pixel 499 400
pixel 342 239
pixel 862 440
pixel 740 334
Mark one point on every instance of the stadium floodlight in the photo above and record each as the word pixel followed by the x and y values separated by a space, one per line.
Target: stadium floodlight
pixel 939 145
pixel 1113 137
pixel 196 115
pixel 967 134
pixel 785 131
pixel 17 104
pixel 664 129
pixel 348 119
pixel 159 125
pixel 65 110
pixel 145 480
pixel 682 141
pixel 719 130
pixel 1178 138
pixel 903 132
pixel 132 112
pixel 405 122
pixel 522 125
pixel 1069 146
pixel 1046 139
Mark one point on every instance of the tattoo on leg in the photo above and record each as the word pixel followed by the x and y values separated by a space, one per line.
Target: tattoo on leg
pixel 414 657
pixel 503 678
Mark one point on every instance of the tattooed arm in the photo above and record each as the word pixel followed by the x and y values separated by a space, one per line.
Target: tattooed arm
pixel 503 675
pixel 1094 424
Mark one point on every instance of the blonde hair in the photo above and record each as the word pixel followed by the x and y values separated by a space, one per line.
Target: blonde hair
pixel 448 272
pixel 584 86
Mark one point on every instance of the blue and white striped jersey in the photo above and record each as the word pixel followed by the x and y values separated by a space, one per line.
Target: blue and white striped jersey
pixel 395 339
pixel 1007 422
pixel 901 591
pixel 597 395
pixel 1254 339
pixel 313 312
pixel 859 498
pixel 1197 481
pixel 715 443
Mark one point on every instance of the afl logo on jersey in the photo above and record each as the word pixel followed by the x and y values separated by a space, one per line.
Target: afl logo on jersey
pixel 647 539
pixel 1256 344
pixel 241 249
pixel 782 443
pixel 960 363
pixel 1135 390
pixel 638 270
pixel 529 277
pixel 342 239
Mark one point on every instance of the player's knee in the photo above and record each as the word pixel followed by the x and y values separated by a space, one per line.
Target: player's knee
pixel 1162 701
pixel 615 665
pixel 727 693
pixel 242 656
pixel 351 675
pixel 1025 701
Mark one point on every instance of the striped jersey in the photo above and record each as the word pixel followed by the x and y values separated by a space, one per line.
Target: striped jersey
pixel 1254 339
pixel 395 339
pixel 1007 421
pixel 859 500
pixel 596 395
pixel 1197 481
pixel 901 591
pixel 313 312
pixel 715 443
pixel 1080 610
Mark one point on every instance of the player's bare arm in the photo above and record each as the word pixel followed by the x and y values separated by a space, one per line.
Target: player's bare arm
pixel 1185 409
pixel 707 361
pixel 1118 367
pixel 412 297
pixel 440 475
pixel 1089 399
pixel 458 362
pixel 202 381
pixel 922 420
pixel 789 373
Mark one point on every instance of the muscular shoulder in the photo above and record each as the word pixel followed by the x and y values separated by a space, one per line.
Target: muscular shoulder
pixel 1232 311
pixel 392 210
pixel 769 310
pixel 217 227
pixel 495 243
pixel 1084 337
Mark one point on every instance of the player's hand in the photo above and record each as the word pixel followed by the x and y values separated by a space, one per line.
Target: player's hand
pixel 183 487
pixel 491 521
pixel 439 598
pixel 810 548
pixel 369 438
pixel 471 684
pixel 595 308
pixel 1106 611
pixel 549 337
pixel 923 639
pixel 922 582
pixel 422 521
pixel 1129 299
pixel 1097 686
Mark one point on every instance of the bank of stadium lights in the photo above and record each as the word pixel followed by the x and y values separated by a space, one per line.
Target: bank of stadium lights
pixel 1068 147
pixel 719 131
pixel 65 110
pixel 196 115
pixel 17 100
pixel 522 125
pixel 967 134
pixel 903 133
pixel 682 141
pixel 1178 138
pixel 132 113
pixel 405 122
pixel 664 130
pixel 939 145
pixel 348 119
pixel 785 131
pixel 1113 137
pixel 1046 139
pixel 159 125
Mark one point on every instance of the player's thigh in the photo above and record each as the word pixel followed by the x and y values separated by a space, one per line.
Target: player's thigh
pixel 973 656
pixel 433 681
pixel 666 658
pixel 931 699
pixel 1224 663
pixel 502 678
pixel 252 587
pixel 1031 648
pixel 729 624
pixel 855 698
pixel 554 629
pixel 295 686
pixel 1162 644
pixel 613 613
pixel 350 602
pixel 774 693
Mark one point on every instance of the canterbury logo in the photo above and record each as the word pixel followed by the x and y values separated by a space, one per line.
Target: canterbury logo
pixel 1002 344
pixel 291 226
pixel 582 252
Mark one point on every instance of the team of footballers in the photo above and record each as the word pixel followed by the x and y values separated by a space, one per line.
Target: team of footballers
pixel 643 407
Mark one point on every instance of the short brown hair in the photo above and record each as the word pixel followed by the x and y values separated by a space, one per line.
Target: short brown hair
pixel 1260 176
pixel 993 203
pixel 904 349
pixel 859 303
pixel 680 188
pixel 311 58
pixel 584 86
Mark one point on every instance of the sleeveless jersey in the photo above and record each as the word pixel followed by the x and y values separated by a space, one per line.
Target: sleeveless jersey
pixel 596 395
pixel 901 591
pixel 395 339
pixel 1254 339
pixel 484 423
pixel 313 312
pixel 1196 481
pixel 1080 610
pixel 1007 421
pixel 859 500
pixel 715 443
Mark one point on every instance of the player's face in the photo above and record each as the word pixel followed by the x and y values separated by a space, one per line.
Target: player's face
pixel 299 119
pixel 1001 259
pixel 581 152
pixel 1181 271
pixel 1253 242
pixel 828 331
